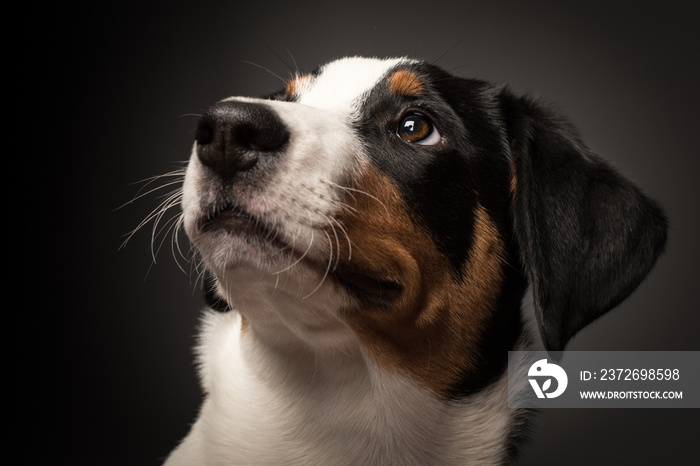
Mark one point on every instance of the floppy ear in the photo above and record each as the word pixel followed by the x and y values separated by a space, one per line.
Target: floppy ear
pixel 587 236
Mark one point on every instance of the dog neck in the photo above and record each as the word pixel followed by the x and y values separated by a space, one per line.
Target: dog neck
pixel 305 404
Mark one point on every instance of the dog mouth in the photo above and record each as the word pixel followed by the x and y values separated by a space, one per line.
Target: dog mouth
pixel 233 219
pixel 366 285
pixel 359 282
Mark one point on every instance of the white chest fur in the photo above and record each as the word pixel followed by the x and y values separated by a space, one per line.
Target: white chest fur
pixel 267 406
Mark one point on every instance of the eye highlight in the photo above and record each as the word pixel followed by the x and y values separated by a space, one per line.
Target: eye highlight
pixel 416 128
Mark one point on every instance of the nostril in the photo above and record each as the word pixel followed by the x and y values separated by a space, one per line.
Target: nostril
pixel 235 136
pixel 205 131
pixel 245 137
pixel 263 137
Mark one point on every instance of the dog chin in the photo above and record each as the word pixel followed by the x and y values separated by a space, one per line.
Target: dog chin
pixel 224 257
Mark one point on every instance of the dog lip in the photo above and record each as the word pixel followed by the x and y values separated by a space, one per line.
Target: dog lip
pixel 234 219
pixel 361 283
pixel 366 285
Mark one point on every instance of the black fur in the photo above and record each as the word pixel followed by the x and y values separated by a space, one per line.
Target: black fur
pixel 442 186
pixel 576 231
pixel 437 183
pixel 587 235
pixel 580 234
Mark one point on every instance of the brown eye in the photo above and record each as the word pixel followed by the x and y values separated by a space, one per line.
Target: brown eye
pixel 418 129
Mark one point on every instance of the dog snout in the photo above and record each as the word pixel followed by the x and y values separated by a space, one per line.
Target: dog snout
pixel 233 137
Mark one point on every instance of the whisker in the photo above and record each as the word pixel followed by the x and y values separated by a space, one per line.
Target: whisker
pixel 156 214
pixel 197 268
pixel 151 191
pixel 502 259
pixel 180 173
pixel 328 268
pixel 284 81
pixel 348 189
pixel 448 51
pixel 171 201
pixel 173 231
pixel 337 242
pixel 166 218
pixel 347 237
pixel 461 337
pixel 276 54
pixel 458 67
pixel 166 229
pixel 344 206
pixel 311 241
pixel 176 237
pixel 296 67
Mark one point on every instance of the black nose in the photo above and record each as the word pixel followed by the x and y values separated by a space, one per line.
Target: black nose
pixel 233 137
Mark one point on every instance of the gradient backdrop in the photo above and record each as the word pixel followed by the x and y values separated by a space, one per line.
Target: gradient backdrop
pixel 107 97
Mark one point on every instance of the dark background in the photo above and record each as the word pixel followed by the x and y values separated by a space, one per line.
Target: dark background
pixel 106 98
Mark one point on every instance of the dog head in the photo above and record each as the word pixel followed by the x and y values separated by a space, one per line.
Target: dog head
pixel 390 205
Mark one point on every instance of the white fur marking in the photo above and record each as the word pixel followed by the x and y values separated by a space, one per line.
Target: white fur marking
pixel 295 386
pixel 343 83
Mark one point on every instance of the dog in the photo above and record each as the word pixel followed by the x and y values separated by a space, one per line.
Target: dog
pixel 372 233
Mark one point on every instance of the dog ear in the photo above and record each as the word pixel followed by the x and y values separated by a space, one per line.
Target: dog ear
pixel 587 236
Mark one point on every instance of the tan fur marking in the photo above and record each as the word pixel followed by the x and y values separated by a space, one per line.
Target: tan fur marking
pixel 297 85
pixel 432 331
pixel 405 83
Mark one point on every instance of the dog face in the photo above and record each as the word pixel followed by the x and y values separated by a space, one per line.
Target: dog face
pixel 388 206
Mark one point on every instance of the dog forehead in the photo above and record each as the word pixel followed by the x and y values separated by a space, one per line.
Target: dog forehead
pixel 341 85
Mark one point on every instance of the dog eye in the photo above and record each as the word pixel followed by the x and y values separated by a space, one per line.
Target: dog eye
pixel 418 129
